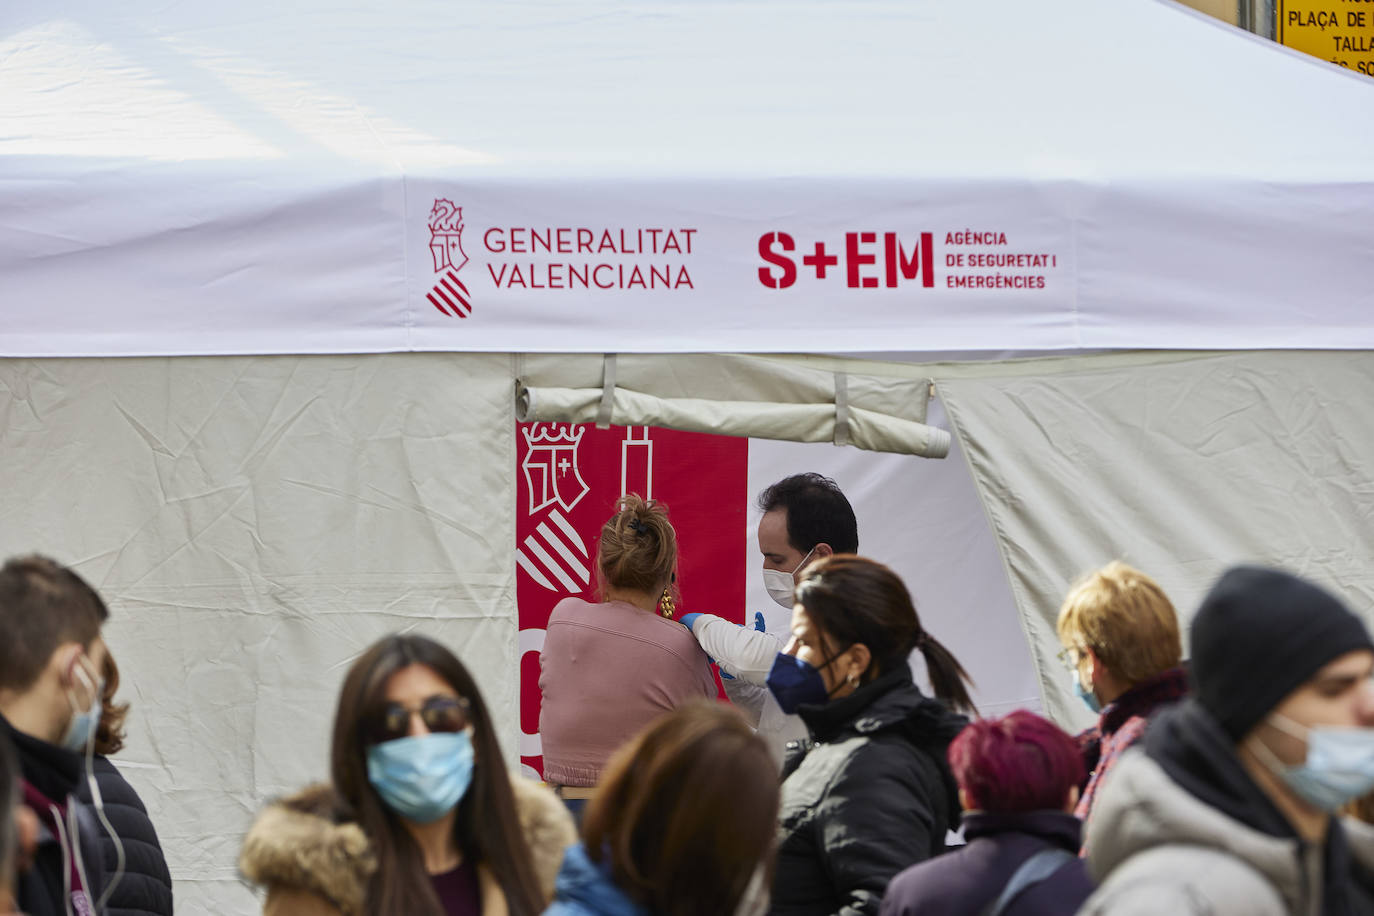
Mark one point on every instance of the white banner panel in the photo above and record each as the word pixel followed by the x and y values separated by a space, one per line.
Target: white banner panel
pixel 596 176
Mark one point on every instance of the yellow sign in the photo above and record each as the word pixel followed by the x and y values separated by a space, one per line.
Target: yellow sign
pixel 1341 31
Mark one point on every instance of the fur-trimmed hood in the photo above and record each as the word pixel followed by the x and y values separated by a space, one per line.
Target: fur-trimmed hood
pixel 299 843
pixel 302 843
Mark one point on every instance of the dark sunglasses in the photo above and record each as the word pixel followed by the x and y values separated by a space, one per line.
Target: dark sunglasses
pixel 439 713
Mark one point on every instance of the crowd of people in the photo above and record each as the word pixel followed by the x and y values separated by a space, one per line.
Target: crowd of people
pixel 832 783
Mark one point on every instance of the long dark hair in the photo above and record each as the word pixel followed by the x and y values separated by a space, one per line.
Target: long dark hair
pixel 486 829
pixel 853 600
pixel 687 812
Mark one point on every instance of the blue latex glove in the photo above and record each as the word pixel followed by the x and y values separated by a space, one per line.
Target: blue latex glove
pixel 687 620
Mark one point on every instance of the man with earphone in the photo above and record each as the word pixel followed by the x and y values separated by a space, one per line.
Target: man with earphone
pixel 51 656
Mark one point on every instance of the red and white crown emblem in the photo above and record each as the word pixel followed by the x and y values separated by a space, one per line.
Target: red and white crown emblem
pixel 449 295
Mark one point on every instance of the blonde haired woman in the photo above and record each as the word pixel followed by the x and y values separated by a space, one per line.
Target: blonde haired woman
pixel 1121 641
pixel 611 667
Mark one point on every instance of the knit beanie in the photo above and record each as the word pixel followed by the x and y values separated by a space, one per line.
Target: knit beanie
pixel 1258 636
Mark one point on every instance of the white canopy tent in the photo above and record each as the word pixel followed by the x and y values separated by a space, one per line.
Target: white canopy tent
pixel 268 204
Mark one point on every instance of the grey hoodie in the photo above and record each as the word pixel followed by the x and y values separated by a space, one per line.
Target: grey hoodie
pixel 1157 849
pixel 1154 846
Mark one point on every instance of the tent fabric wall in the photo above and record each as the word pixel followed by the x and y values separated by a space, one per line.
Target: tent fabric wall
pixel 254 523
pixel 1180 465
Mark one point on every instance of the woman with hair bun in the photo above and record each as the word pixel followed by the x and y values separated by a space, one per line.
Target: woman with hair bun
pixel 871 793
pixel 611 667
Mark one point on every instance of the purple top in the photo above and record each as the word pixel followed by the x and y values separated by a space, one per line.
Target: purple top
pixel 458 892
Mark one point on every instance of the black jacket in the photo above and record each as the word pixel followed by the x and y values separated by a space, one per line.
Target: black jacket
pixel 968 880
pixel 146 888
pixel 54 773
pixel 868 795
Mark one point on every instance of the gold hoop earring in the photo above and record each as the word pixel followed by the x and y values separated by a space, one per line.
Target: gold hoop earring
pixel 666 605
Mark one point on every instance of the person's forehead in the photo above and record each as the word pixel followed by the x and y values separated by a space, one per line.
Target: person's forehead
pixel 773 531
pixel 415 683
pixel 1355 665
pixel 774 520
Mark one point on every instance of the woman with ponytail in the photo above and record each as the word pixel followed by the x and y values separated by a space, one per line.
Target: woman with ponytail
pixel 871 793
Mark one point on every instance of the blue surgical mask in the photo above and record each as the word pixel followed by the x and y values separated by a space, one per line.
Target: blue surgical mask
pixel 794 682
pixel 81 728
pixel 422 777
pixel 1083 693
pixel 1339 765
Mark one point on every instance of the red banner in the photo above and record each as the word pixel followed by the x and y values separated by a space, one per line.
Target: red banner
pixel 570 476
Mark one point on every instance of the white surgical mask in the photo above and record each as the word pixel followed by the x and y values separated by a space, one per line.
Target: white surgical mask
pixel 781 584
pixel 1339 765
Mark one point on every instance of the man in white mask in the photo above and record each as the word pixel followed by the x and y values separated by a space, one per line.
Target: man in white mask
pixel 805 517
pixel 51 656
pixel 1230 804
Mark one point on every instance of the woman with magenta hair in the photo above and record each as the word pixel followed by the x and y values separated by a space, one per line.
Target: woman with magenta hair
pixel 1018 783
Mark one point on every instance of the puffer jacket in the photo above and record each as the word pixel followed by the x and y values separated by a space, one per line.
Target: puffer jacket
pixel 586 889
pixel 315 864
pixel 869 794
pixel 51 775
pixel 1181 828
pixel 145 889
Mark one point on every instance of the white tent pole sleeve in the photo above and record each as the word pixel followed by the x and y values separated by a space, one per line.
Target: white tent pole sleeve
pixel 868 429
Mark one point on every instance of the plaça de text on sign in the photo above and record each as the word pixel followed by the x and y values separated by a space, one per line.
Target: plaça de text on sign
pixel 1339 31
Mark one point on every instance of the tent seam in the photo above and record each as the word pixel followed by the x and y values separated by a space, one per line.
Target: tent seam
pixel 408 315
pixel 999 535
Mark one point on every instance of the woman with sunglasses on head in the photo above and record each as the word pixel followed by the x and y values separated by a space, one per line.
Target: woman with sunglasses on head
pixel 871 792
pixel 611 667
pixel 422 817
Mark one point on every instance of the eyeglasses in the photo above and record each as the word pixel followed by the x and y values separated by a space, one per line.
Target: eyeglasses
pixel 1068 658
pixel 439 713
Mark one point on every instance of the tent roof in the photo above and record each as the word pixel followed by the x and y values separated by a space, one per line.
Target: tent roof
pixel 898 88
pixel 1154 146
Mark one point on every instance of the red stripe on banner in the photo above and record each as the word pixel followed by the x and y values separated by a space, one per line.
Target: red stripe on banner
pixel 431 298
pixel 457 310
pixel 568 477
pixel 457 295
pixel 454 277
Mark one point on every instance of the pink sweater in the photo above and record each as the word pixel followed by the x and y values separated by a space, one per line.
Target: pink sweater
pixel 608 670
